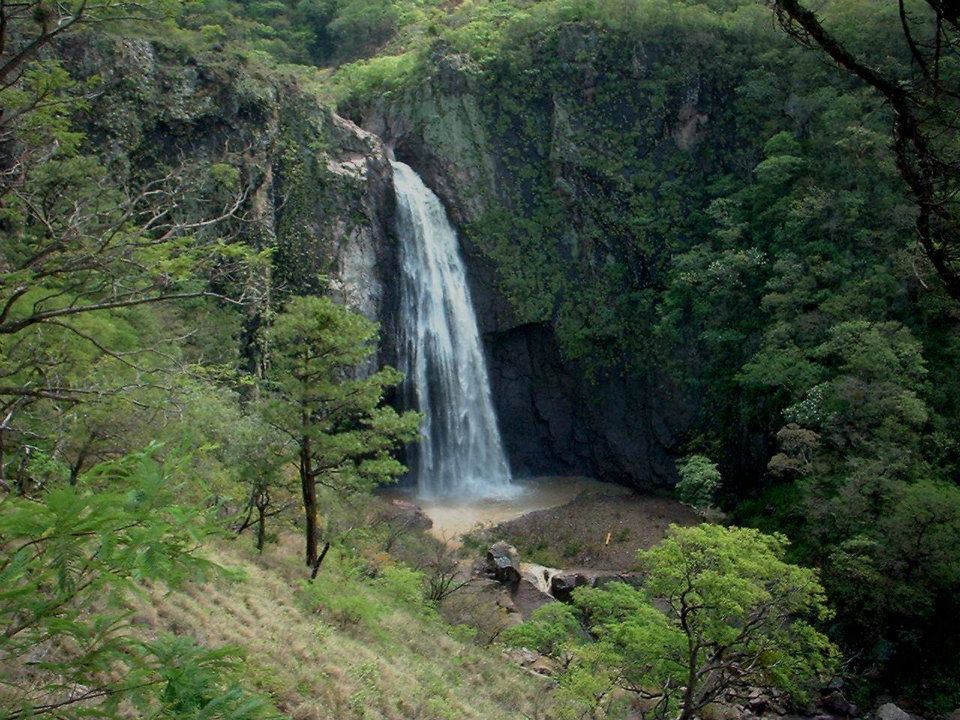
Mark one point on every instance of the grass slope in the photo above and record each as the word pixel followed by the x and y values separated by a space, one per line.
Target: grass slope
pixel 348 647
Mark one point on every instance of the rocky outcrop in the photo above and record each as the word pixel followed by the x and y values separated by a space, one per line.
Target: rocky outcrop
pixel 562 585
pixel 527 598
pixel 317 187
pixel 557 421
pixel 320 190
pixel 406 515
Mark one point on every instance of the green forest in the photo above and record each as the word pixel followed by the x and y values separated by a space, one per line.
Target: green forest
pixel 713 249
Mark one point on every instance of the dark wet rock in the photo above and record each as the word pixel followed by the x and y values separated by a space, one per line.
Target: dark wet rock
pixel 836 704
pixel 555 421
pixel 503 563
pixel 562 585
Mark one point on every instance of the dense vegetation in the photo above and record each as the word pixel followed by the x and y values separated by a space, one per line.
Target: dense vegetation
pixel 168 376
pixel 738 618
pixel 768 261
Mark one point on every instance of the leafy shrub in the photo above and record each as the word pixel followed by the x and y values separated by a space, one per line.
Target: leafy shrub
pixel 699 481
pixel 363 25
pixel 347 602
pixel 547 631
pixel 366 78
pixel 70 558
pixel 403 584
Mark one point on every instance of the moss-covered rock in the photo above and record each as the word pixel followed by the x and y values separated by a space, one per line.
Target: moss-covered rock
pixel 318 187
pixel 576 166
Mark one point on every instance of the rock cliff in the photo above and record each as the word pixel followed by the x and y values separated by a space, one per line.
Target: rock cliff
pixel 546 175
pixel 563 264
pixel 319 187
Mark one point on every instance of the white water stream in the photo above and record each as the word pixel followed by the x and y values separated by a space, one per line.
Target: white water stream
pixel 460 453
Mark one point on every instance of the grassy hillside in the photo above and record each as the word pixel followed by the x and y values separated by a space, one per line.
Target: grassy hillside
pixel 347 647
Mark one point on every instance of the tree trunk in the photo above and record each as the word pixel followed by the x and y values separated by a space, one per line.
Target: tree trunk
pixel 316 565
pixel 687 704
pixel 309 489
pixel 686 708
pixel 261 528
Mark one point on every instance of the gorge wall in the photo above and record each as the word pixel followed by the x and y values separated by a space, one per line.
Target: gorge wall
pixel 554 180
pixel 315 186
pixel 548 176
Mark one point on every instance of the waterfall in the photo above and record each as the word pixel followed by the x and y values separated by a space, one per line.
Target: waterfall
pixel 460 452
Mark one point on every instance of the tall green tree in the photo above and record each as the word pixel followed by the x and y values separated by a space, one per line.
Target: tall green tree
pixel 924 95
pixel 319 395
pixel 720 612
pixel 699 481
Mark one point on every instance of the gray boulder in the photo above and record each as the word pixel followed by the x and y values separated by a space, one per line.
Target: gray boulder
pixel 527 597
pixel 889 711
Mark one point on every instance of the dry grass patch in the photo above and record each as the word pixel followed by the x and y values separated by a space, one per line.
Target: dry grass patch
pixel 346 649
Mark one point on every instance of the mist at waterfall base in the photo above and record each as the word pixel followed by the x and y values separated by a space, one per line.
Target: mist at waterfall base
pixel 460 453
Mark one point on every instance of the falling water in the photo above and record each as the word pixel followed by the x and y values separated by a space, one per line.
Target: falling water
pixel 460 452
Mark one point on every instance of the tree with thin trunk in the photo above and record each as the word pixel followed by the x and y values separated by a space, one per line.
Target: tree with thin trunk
pixel 85 246
pixel 339 433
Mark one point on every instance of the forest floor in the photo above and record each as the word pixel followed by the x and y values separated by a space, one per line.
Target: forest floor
pixel 595 530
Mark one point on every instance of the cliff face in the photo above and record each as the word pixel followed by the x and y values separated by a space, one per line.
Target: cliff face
pixel 318 187
pixel 547 173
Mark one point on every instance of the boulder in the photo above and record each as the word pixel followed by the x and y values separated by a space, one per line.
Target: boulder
pixel 505 602
pixel 503 563
pixel 720 711
pixel 757 702
pixel 889 711
pixel 544 665
pixel 521 656
pixel 562 585
pixel 408 515
pixel 527 597
pixel 836 704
